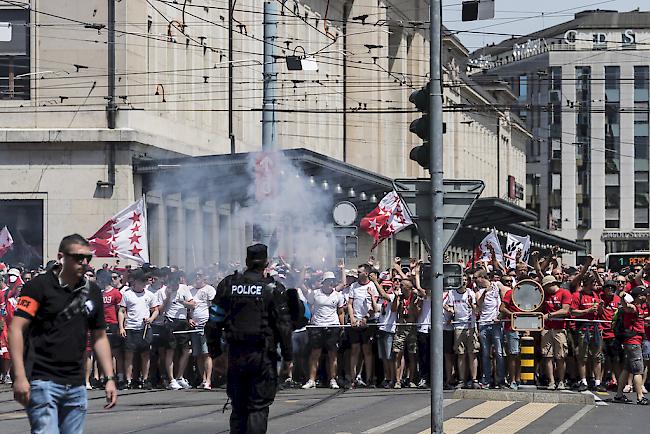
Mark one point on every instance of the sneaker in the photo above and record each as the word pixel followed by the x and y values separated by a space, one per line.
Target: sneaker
pixel 622 399
pixel 447 386
pixel 183 383
pixel 146 385
pixel 334 384
pixel 627 388
pixel 360 383
pixel 412 385
pixel 122 385
pixel 398 385
pixel 205 386
pixel 8 379
pixel 561 385
pixel 551 386
pixel 385 384
pixel 601 388
pixel 642 401
pixel 173 385
pixel 311 384
pixel 514 386
pixel 130 384
pixel 582 387
pixel 422 384
pixel 495 386
pixel 476 385
pixel 89 387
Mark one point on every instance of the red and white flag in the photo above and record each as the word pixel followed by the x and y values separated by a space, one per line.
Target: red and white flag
pixel 388 218
pixel 124 235
pixel 5 241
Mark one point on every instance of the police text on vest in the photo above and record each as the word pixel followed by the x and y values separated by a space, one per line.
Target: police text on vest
pixel 246 289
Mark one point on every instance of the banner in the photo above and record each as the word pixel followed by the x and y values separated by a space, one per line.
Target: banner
pixel 388 218
pixel 515 244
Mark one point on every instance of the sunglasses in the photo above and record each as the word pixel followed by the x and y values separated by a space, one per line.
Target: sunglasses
pixel 79 257
pixel 115 277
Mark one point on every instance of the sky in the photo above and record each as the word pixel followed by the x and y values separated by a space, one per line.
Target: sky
pixel 520 17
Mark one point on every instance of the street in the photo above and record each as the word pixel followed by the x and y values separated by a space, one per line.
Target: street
pixel 366 411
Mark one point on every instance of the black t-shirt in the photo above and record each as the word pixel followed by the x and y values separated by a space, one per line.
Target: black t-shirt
pixel 56 346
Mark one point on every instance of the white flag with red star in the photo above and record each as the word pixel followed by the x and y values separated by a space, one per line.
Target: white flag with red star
pixel 388 218
pixel 5 241
pixel 124 235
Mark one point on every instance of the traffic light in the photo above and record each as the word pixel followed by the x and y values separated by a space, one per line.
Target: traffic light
pixel 420 127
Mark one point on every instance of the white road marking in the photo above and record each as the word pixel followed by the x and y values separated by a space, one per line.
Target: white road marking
pixel 519 419
pixel 405 419
pixel 597 398
pixel 572 420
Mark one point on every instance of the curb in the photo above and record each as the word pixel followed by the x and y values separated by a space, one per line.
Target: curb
pixel 526 396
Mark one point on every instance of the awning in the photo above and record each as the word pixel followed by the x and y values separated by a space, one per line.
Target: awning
pixel 492 211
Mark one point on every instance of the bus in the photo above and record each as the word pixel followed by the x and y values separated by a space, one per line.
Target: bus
pixel 617 261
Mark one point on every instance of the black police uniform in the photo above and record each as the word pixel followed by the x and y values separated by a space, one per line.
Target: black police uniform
pixel 254 314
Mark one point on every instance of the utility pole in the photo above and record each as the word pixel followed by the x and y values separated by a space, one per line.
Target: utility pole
pixel 269 133
pixel 231 130
pixel 111 108
pixel 436 169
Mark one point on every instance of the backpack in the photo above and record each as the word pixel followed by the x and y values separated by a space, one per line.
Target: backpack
pixel 621 333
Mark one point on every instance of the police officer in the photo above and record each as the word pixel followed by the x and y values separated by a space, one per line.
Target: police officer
pixel 253 311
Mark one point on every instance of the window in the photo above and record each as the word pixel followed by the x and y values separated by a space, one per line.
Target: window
pixel 24 219
pixel 523 87
pixel 14 54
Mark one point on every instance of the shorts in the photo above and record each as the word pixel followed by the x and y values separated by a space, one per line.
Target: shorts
pixel 114 339
pixel 385 345
pixel 554 344
pixel 160 336
pixel 466 341
pixel 645 349
pixel 324 338
pixel 199 343
pixel 89 341
pixel 589 344
pixel 300 344
pixel 135 343
pixel 361 335
pixel 513 342
pixel 613 350
pixel 633 361
pixel 180 340
pixel 572 342
pixel 406 337
pixel 448 342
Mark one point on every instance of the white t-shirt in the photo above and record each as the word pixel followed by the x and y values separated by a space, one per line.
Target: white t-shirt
pixel 175 309
pixel 324 307
pixel 387 318
pixel 160 319
pixel 424 318
pixel 361 300
pixel 490 308
pixel 203 298
pixel 138 307
pixel 463 313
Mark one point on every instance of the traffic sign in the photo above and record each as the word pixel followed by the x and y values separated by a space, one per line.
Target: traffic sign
pixel 458 199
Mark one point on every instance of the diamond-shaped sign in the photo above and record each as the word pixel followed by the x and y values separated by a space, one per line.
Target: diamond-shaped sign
pixel 459 197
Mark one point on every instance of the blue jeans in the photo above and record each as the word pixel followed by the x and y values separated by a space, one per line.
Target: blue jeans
pixel 56 408
pixel 491 335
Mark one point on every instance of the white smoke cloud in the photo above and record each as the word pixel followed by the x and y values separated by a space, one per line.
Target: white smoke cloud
pixel 294 220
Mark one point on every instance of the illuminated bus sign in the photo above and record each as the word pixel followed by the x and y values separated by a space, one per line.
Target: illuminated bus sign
pixel 617 261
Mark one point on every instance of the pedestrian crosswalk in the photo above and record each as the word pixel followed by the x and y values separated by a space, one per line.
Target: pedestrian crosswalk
pixel 489 417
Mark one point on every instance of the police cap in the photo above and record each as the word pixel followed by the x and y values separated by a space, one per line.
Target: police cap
pixel 257 252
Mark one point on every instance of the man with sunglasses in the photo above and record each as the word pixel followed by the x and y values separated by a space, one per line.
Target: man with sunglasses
pixel 54 313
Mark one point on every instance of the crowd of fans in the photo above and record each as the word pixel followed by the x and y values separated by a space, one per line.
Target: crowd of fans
pixel 370 327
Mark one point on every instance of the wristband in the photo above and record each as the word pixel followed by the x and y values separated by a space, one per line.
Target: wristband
pixel 109 378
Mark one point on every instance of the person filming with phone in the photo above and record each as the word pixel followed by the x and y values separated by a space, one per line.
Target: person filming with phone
pixel 47 340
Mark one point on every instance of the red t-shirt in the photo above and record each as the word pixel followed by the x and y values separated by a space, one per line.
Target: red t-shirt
pixel 582 301
pixel 507 301
pixel 634 321
pixel 610 304
pixel 553 303
pixel 112 299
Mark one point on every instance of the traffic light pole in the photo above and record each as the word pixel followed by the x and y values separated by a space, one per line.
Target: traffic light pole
pixel 437 247
pixel 269 133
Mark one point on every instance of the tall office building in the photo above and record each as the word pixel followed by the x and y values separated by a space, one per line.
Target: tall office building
pixel 582 88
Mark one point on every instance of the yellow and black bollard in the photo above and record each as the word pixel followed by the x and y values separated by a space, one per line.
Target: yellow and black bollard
pixel 527 361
